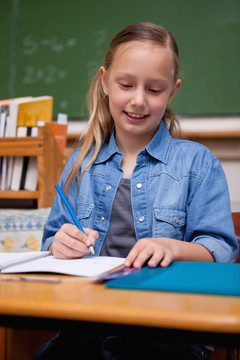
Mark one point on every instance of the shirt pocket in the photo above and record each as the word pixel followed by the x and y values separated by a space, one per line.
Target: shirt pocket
pixel 84 213
pixel 168 222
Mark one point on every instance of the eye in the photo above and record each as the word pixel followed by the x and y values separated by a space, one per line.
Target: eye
pixel 125 85
pixel 154 91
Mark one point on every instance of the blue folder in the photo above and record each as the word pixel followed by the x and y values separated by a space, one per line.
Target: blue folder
pixel 186 277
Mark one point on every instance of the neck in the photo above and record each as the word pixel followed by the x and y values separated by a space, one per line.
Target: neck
pixel 130 146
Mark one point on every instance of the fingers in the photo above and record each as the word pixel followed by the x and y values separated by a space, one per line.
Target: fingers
pixel 139 254
pixel 154 251
pixel 167 259
pixel 70 242
pixel 91 237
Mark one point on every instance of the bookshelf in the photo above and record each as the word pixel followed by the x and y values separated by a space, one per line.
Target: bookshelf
pixel 50 162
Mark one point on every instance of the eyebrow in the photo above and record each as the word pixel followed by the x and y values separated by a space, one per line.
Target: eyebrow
pixel 131 76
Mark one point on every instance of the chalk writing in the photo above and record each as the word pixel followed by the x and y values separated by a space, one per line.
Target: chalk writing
pixel 92 67
pixel 30 45
pixel 63 104
pixel 101 36
pixel 48 74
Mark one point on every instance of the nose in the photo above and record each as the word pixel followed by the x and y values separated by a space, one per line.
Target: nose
pixel 138 97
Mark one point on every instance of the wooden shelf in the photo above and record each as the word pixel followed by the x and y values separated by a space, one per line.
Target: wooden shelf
pixel 28 146
pixel 50 162
pixel 22 194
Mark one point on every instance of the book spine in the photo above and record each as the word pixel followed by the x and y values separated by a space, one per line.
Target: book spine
pixel 5 159
pixel 25 163
pixel 31 179
pixel 18 163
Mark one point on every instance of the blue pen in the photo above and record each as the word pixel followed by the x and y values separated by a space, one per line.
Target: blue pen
pixel 75 220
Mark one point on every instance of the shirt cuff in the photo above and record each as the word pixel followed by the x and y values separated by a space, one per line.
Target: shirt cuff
pixel 47 243
pixel 218 248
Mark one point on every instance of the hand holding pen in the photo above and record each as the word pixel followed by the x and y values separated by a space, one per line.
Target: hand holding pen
pixel 69 241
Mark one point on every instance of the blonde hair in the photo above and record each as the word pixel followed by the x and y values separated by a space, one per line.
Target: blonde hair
pixel 100 123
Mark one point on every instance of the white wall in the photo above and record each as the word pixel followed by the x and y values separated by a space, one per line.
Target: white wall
pixel 232 171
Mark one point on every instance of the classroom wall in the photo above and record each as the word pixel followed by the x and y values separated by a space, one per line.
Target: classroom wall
pixel 232 171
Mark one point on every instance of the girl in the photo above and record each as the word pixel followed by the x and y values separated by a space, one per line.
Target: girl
pixel 139 192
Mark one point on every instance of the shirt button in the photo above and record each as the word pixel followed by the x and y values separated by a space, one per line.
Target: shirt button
pixel 108 187
pixel 142 218
pixel 139 185
pixel 101 219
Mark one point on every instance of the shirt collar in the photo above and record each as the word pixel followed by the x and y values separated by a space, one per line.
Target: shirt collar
pixel 159 146
pixel 108 150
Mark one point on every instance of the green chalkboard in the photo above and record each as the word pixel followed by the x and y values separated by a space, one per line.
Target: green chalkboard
pixel 53 48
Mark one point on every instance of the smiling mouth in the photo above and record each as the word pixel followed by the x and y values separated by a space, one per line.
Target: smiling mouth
pixel 136 116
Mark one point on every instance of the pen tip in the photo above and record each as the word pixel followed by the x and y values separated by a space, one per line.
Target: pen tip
pixel 91 248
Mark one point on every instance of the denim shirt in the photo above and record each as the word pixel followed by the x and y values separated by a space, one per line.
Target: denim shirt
pixel 178 190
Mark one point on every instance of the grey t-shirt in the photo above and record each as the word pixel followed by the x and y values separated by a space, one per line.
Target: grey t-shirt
pixel 121 235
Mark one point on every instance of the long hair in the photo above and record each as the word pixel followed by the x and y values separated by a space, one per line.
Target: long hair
pixel 100 123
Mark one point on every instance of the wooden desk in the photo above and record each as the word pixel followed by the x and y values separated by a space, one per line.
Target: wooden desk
pixel 80 301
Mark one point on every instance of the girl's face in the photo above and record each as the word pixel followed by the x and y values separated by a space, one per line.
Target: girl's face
pixel 140 84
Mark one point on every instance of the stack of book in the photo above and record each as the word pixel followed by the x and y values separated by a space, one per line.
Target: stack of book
pixel 21 117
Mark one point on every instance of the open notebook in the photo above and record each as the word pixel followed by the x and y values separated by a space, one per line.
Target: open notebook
pixel 43 261
pixel 184 276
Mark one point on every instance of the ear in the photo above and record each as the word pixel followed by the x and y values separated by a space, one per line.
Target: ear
pixel 103 75
pixel 175 89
